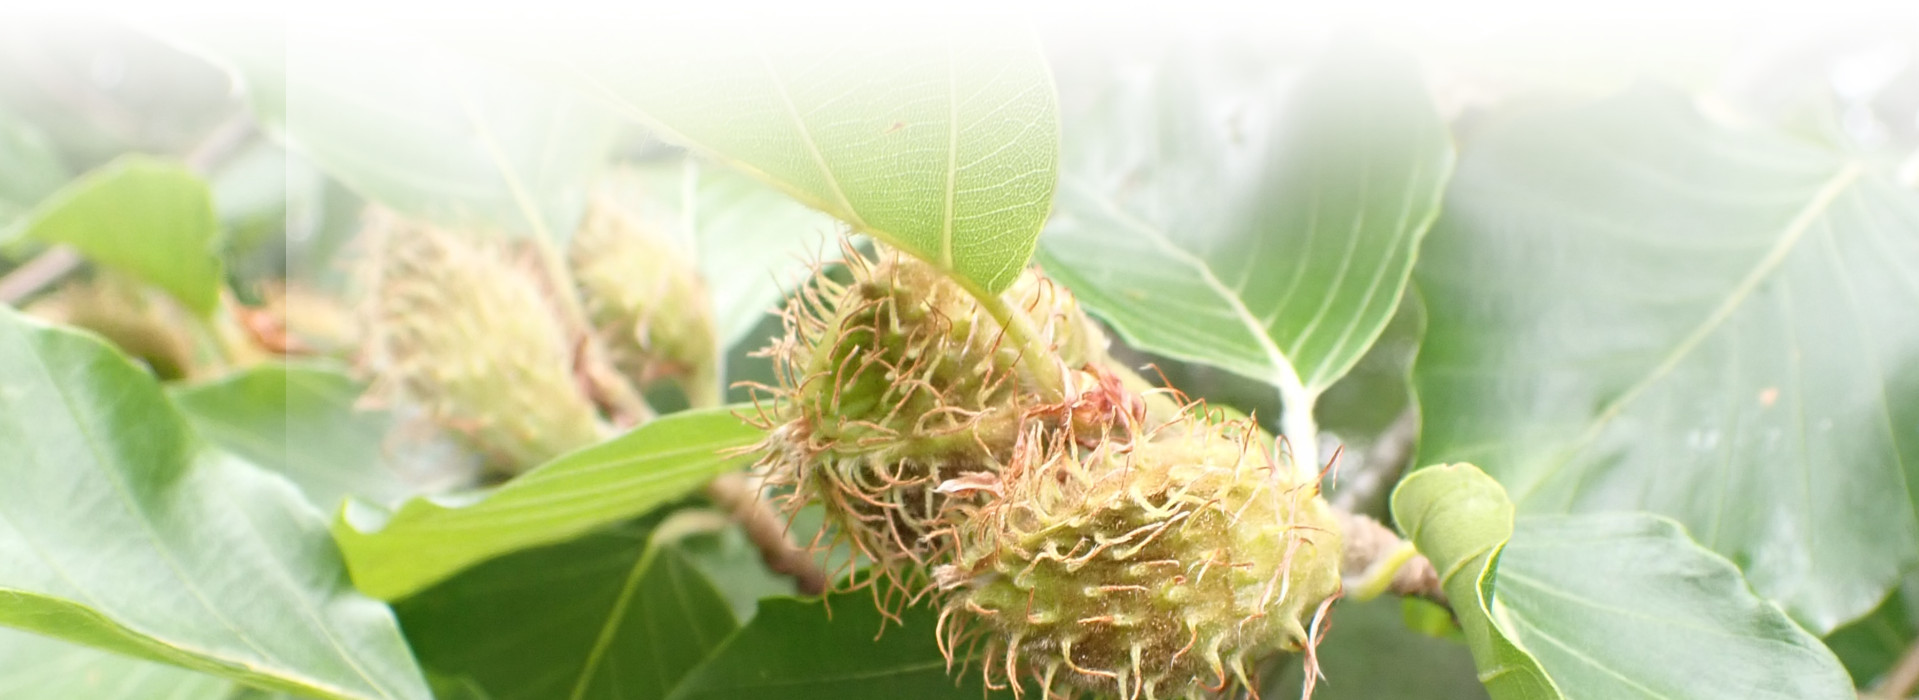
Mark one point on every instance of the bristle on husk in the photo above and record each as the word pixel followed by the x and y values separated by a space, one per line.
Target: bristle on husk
pixel 899 398
pixel 1156 568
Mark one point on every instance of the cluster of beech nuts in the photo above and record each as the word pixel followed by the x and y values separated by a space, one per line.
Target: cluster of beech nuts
pixel 1074 542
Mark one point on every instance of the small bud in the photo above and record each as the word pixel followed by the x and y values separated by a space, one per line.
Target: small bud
pixel 459 326
pixel 645 298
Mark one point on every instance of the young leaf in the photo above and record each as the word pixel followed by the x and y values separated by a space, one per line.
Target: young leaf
pixel 120 530
pixel 795 650
pixel 607 616
pixel 426 541
pixel 422 128
pixel 942 143
pixel 1266 230
pixel 148 218
pixel 33 667
pixel 297 420
pixel 1461 520
pixel 1634 308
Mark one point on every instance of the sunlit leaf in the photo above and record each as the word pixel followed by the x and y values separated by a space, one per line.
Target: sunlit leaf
pixel 427 540
pixel 1634 308
pixel 145 217
pixel 119 529
pixel 943 142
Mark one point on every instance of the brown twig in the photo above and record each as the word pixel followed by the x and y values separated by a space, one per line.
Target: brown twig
pixel 36 274
pixel 739 495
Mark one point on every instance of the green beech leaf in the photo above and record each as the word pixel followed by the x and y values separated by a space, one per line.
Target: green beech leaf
pixel 1605 605
pixel 793 649
pixel 944 143
pixel 1461 520
pixel 119 529
pixel 1632 307
pixel 1625 605
pixel 1236 221
pixel 608 616
pixel 145 217
pixel 752 243
pixel 425 541
pixel 33 667
pixel 421 127
pixel 298 420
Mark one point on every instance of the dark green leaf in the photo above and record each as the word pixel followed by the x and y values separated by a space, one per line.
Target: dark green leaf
pixel 1461 520
pixel 795 651
pixel 1265 229
pixel 145 217
pixel 1368 654
pixel 736 567
pixel 606 616
pixel 944 143
pixel 121 530
pixel 1634 308
pixel 1871 645
pixel 426 541
pixel 298 420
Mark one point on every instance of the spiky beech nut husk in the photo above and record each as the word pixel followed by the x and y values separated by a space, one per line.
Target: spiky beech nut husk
pixel 1154 568
pixel 897 381
pixel 644 297
pixel 462 325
